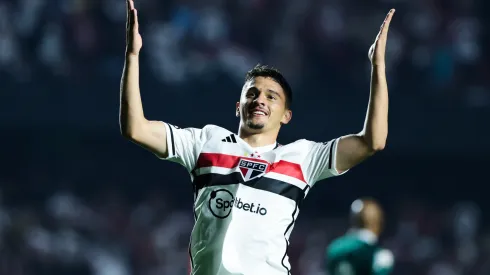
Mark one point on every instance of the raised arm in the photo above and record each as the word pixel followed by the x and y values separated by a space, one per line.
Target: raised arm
pixel 353 149
pixel 133 124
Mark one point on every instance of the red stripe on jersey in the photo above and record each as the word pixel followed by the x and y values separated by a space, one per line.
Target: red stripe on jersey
pixel 218 160
pixel 228 161
pixel 289 169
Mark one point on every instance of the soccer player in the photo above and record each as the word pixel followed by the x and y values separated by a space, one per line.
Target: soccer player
pixel 247 187
pixel 358 252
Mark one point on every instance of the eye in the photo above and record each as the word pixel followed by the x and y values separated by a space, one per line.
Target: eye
pixel 252 92
pixel 271 97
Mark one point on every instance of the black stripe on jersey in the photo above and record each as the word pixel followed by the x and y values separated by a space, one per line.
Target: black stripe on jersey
pixel 267 184
pixel 330 155
pixel 228 139
pixel 233 138
pixel 172 139
pixel 286 239
pixel 195 219
pixel 305 191
pixel 190 254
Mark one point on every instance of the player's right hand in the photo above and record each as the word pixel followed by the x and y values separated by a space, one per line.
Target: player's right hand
pixel 378 49
pixel 133 37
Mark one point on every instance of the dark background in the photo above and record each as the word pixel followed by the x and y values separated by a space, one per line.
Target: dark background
pixel 76 198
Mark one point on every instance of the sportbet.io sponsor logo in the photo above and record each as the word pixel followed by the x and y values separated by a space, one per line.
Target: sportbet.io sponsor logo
pixel 222 201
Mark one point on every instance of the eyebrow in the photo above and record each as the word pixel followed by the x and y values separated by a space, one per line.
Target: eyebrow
pixel 253 88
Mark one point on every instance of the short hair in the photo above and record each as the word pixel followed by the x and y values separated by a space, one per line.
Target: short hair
pixel 366 213
pixel 274 74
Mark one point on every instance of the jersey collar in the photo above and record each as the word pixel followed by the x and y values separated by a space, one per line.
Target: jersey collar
pixel 266 148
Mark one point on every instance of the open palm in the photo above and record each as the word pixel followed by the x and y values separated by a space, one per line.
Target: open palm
pixel 133 37
pixel 378 49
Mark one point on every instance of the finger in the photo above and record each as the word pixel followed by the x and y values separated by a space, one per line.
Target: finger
pixel 131 4
pixel 135 20
pixel 128 15
pixel 131 20
pixel 386 24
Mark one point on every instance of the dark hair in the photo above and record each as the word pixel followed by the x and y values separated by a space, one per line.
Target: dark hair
pixel 274 74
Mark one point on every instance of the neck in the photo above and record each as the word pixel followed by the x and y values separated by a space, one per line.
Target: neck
pixel 258 139
pixel 373 229
pixel 365 234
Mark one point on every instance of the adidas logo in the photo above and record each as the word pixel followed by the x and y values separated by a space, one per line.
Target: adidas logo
pixel 230 138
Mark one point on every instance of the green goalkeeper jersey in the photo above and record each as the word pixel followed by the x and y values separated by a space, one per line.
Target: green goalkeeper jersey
pixel 358 253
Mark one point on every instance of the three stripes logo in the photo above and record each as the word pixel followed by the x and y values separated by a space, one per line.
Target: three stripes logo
pixel 231 138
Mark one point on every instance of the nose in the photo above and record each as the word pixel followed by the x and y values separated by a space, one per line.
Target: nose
pixel 260 99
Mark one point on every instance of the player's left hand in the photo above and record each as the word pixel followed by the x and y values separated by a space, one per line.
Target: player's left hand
pixel 378 49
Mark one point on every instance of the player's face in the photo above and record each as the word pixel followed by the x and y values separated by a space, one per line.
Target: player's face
pixel 262 105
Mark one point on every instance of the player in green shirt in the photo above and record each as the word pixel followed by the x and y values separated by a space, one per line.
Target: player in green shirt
pixel 358 252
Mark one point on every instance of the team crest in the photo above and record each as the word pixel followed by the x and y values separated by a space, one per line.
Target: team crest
pixel 251 169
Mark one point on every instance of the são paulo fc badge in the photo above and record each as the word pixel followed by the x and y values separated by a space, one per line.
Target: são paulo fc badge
pixel 251 169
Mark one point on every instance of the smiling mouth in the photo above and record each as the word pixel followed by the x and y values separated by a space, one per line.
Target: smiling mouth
pixel 258 113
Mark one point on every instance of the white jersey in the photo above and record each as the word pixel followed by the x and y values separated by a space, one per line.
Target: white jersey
pixel 246 199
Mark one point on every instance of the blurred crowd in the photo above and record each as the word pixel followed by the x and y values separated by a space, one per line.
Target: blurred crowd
pixel 60 53
pixel 436 47
pixel 67 234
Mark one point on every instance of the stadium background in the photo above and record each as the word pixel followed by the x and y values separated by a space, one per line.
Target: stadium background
pixel 76 198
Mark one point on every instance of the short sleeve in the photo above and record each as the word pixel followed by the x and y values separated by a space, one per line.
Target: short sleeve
pixel 320 162
pixel 383 262
pixel 184 145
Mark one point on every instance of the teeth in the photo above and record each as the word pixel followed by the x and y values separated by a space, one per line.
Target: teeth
pixel 259 113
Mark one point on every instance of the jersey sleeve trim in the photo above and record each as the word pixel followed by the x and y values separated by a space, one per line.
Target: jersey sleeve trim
pixel 170 140
pixel 332 165
pixel 331 158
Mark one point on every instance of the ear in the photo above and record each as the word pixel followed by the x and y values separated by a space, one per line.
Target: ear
pixel 237 111
pixel 288 114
